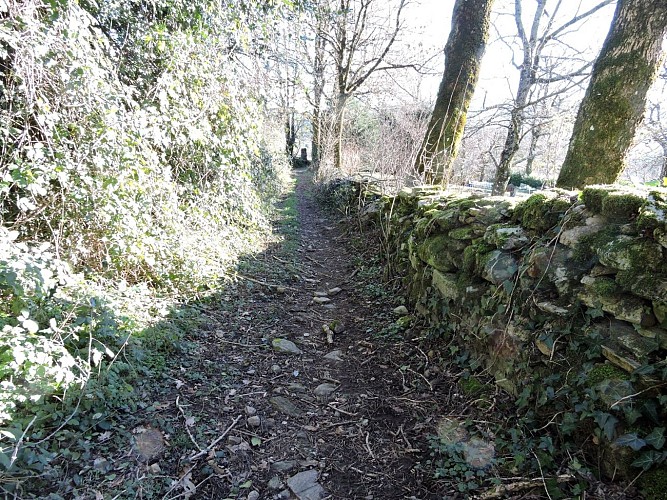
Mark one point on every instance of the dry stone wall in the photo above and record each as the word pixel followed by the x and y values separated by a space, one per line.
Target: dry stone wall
pixel 561 297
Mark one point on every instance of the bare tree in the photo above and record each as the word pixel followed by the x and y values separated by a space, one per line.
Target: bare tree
pixel 463 57
pixel 533 43
pixel 615 100
pixel 360 44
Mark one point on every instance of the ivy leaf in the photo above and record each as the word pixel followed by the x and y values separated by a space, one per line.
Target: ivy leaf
pixel 631 440
pixel 606 422
pixel 647 459
pixel 656 438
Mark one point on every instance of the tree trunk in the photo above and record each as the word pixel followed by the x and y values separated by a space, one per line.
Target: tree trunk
pixel 290 134
pixel 529 65
pixel 536 133
pixel 338 131
pixel 513 139
pixel 615 100
pixel 663 171
pixel 315 143
pixel 463 57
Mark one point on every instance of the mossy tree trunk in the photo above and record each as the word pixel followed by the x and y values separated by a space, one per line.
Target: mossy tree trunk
pixel 615 100
pixel 463 58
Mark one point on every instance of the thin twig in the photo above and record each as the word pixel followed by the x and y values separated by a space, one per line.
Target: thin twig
pixel 331 405
pixel 216 441
pixel 368 446
pixel 263 283
pixel 187 427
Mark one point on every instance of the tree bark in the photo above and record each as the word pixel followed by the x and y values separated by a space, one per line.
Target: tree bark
pixel 463 57
pixel 338 130
pixel 615 100
pixel 535 136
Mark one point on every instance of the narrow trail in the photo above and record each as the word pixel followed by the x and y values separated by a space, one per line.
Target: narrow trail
pixel 341 418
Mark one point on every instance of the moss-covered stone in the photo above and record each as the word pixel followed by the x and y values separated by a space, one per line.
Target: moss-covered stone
pixel 431 251
pixel 622 205
pixel 626 252
pixel 541 212
pixel 447 219
pixel 653 484
pixel 447 284
pixel 602 286
pixel 615 356
pixel 586 249
pixel 660 311
pixel 622 306
pixel 649 286
pixel 653 214
pixel 469 232
pixel 498 266
pixel 605 371
pixel 593 196
pixel 472 256
pixel 506 237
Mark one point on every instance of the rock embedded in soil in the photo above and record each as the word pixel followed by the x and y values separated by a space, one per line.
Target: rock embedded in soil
pixel 283 466
pixel 321 300
pixel 254 421
pixel 253 495
pixel 335 291
pixel 284 345
pixel 250 411
pixel 285 406
pixel 305 486
pixel 275 483
pixel 401 311
pixel 334 355
pixel 324 390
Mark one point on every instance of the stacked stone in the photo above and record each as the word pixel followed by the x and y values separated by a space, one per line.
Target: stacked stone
pixel 516 278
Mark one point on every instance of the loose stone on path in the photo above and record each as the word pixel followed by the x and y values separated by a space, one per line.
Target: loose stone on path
pixel 284 345
pixel 285 406
pixel 325 389
pixel 305 486
pixel 336 355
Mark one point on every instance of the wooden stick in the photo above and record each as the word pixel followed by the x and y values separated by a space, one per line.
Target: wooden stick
pixel 216 441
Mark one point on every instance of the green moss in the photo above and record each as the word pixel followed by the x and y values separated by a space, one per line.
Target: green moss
pixel 586 249
pixel 625 205
pixel 605 371
pixel 593 197
pixel 651 286
pixel 540 213
pixel 604 287
pixel 462 203
pixel 624 252
pixel 653 484
pixel 471 256
pixel 432 251
pixel 467 232
pixel 471 386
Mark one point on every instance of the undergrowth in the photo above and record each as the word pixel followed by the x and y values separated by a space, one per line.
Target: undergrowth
pixel 130 183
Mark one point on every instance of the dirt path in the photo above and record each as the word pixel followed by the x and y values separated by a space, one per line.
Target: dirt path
pixel 341 418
